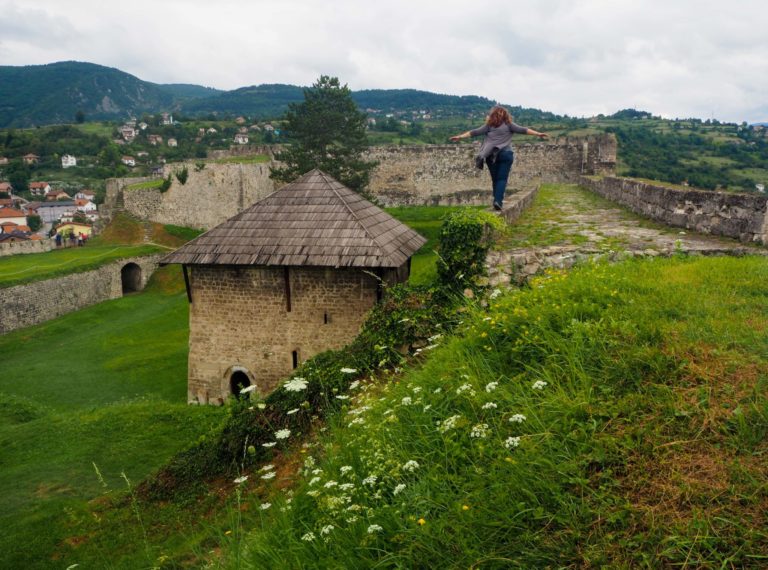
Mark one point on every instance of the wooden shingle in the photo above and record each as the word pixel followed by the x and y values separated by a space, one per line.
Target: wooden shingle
pixel 313 221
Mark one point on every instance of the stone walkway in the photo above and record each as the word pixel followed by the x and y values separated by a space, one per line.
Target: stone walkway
pixel 567 224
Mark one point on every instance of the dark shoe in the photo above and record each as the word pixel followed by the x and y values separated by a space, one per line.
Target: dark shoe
pixel 479 161
pixel 496 206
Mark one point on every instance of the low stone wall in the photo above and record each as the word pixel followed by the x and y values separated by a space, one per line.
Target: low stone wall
pixel 34 303
pixel 20 247
pixel 739 216
pixel 516 204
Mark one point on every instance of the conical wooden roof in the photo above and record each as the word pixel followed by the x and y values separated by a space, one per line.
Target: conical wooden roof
pixel 313 221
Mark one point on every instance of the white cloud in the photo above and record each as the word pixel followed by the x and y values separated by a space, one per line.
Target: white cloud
pixel 683 58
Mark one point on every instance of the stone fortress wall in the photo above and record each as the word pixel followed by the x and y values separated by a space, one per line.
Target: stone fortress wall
pixel 405 175
pixel 37 302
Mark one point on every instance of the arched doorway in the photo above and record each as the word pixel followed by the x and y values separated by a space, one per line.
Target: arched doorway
pixel 130 276
pixel 237 382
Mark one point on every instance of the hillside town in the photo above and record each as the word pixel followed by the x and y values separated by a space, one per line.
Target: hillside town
pixel 56 215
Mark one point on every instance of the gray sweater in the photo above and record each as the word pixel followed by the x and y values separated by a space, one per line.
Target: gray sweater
pixel 496 137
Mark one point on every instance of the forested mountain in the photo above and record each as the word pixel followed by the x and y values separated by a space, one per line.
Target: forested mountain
pixel 45 94
pixel 59 92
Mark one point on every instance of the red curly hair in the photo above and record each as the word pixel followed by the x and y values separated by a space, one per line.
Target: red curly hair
pixel 498 116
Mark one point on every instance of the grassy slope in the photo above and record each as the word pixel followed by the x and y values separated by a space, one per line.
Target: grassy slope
pixel 104 386
pixel 645 448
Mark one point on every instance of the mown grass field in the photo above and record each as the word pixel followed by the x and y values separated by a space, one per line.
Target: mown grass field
pixel 100 389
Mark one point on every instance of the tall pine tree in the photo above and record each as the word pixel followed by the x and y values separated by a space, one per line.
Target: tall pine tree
pixel 326 131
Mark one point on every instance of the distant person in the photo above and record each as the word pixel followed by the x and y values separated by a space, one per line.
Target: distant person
pixel 496 151
pixel 58 240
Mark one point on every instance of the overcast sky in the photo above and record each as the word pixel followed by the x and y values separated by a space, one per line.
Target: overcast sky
pixel 675 58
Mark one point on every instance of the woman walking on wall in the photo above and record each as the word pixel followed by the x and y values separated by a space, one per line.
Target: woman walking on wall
pixel 495 150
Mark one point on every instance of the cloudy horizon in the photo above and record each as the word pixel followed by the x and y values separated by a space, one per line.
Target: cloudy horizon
pixel 680 58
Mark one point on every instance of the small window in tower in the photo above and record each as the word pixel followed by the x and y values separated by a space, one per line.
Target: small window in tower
pixel 326 318
pixel 295 358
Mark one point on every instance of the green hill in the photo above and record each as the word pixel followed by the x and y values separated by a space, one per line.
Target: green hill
pixel 43 94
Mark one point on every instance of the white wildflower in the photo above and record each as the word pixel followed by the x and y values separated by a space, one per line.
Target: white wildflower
pixel 309 537
pixel 291 412
pixel 354 385
pixel 399 489
pixel 479 431
pixel 265 506
pixel 356 421
pixel 296 384
pixel 316 471
pixel 406 401
pixel 269 444
pixel 495 293
pixel 248 389
pixel 309 461
pixel 411 466
pixel 282 434
pixel 270 475
pixel 269 467
pixel 434 337
pixel 330 484
pixel 261 406
pixel 374 528
pixel 242 479
pixel 342 397
pixel 314 481
pixel 448 423
pixel 370 480
pixel 465 388
pixel 512 442
pixel 347 486
pixel 416 389
pixel 428 406
pixel 349 370
pixel 437 390
pixel 431 347
pixel 352 519
pixel 539 385
pixel 326 529
pixel 344 469
pixel 517 419
pixel 490 406
pixel 491 386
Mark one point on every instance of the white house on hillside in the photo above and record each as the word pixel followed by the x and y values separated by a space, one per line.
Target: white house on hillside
pixel 241 138
pixel 68 160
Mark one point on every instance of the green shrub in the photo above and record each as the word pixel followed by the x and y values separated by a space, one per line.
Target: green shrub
pixel 465 238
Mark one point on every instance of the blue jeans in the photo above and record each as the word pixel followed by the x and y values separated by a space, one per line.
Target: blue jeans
pixel 500 169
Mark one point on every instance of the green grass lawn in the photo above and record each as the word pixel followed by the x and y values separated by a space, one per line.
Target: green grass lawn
pixel 252 159
pixel 103 388
pixel 17 269
pixel 146 185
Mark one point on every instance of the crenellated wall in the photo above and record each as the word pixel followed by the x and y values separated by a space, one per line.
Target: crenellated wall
pixel 21 247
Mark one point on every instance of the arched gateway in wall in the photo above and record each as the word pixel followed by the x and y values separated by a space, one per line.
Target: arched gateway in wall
pixel 130 278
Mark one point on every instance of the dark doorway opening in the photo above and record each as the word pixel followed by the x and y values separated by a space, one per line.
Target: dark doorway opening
pixel 130 276
pixel 237 382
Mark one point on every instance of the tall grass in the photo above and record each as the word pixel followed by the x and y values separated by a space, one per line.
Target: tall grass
pixel 567 425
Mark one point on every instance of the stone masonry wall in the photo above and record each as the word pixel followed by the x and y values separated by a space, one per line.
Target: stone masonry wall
pixel 238 321
pixel 406 175
pixel 739 216
pixel 34 303
pixel 209 196
pixel 445 174
pixel 19 247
